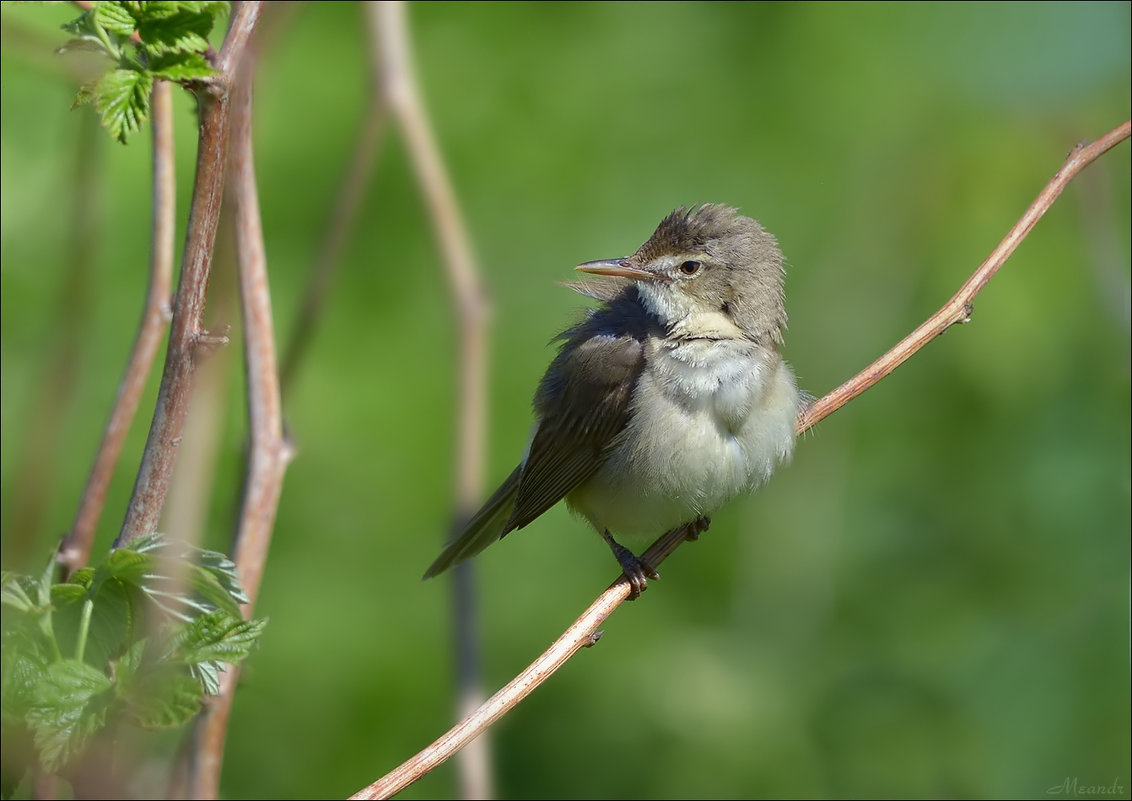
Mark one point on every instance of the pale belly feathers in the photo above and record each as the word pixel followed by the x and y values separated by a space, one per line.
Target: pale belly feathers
pixel 710 420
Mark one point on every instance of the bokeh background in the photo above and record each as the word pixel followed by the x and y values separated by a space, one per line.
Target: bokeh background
pixel 932 600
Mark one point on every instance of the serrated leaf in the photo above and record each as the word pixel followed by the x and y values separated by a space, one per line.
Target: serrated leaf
pixel 162 697
pixel 69 704
pixel 178 31
pixel 181 67
pixel 24 658
pixel 225 572
pixel 124 564
pixel 210 587
pixel 113 18
pixel 208 675
pixel 148 543
pixel 216 637
pixel 160 10
pixel 16 590
pixel 122 99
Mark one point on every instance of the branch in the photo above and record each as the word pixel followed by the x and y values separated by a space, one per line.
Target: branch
pixel 74 551
pixel 584 632
pixel 959 308
pixel 397 85
pixel 186 335
pixel 269 451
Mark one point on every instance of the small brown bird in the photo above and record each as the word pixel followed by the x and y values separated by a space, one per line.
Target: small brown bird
pixel 664 403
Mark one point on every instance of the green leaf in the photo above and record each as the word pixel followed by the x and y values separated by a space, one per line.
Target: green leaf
pixel 176 27
pixel 124 564
pixel 156 695
pixel 224 571
pixel 208 675
pixel 112 623
pixel 69 704
pixel 216 637
pixel 113 18
pixel 128 664
pixel 210 575
pixel 16 591
pixel 122 99
pixel 24 657
pixel 181 67
pixel 105 26
pixel 164 696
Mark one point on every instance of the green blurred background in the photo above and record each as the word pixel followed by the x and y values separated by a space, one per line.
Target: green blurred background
pixel 932 600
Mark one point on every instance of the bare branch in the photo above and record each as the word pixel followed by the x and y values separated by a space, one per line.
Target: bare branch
pixel 396 82
pixel 959 308
pixel 161 447
pixel 269 453
pixel 584 630
pixel 74 551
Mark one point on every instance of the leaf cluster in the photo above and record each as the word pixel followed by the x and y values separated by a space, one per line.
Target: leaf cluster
pixel 137 640
pixel 148 42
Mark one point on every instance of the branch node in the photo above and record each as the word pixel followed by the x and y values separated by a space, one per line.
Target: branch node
pixel 288 450
pixel 593 638
pixel 207 342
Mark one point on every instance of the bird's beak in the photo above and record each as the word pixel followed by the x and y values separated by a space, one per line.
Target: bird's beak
pixel 620 268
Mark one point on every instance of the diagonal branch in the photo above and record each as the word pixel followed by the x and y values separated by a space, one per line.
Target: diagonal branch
pixel 74 551
pixel 959 308
pixel 584 632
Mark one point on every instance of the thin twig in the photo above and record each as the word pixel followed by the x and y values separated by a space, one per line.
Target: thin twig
pixel 959 308
pixel 186 335
pixel 397 84
pixel 584 630
pixel 74 551
pixel 269 453
pixel 186 513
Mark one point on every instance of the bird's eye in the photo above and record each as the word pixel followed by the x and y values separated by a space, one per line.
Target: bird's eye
pixel 690 267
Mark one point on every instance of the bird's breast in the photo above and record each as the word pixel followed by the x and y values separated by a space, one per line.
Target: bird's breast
pixel 710 420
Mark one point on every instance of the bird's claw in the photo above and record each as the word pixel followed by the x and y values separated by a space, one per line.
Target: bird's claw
pixel 637 571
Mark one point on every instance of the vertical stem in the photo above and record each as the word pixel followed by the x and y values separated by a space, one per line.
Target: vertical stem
pixel 187 340
pixel 269 452
pixel 398 84
pixel 164 439
pixel 75 549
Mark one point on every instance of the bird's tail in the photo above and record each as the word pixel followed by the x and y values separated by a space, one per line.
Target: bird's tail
pixel 485 527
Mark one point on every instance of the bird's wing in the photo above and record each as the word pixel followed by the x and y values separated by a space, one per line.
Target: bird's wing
pixel 484 528
pixel 583 405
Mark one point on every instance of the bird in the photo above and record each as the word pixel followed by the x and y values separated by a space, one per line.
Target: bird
pixel 666 401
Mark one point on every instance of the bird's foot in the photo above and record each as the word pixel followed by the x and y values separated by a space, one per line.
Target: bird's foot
pixel 636 569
